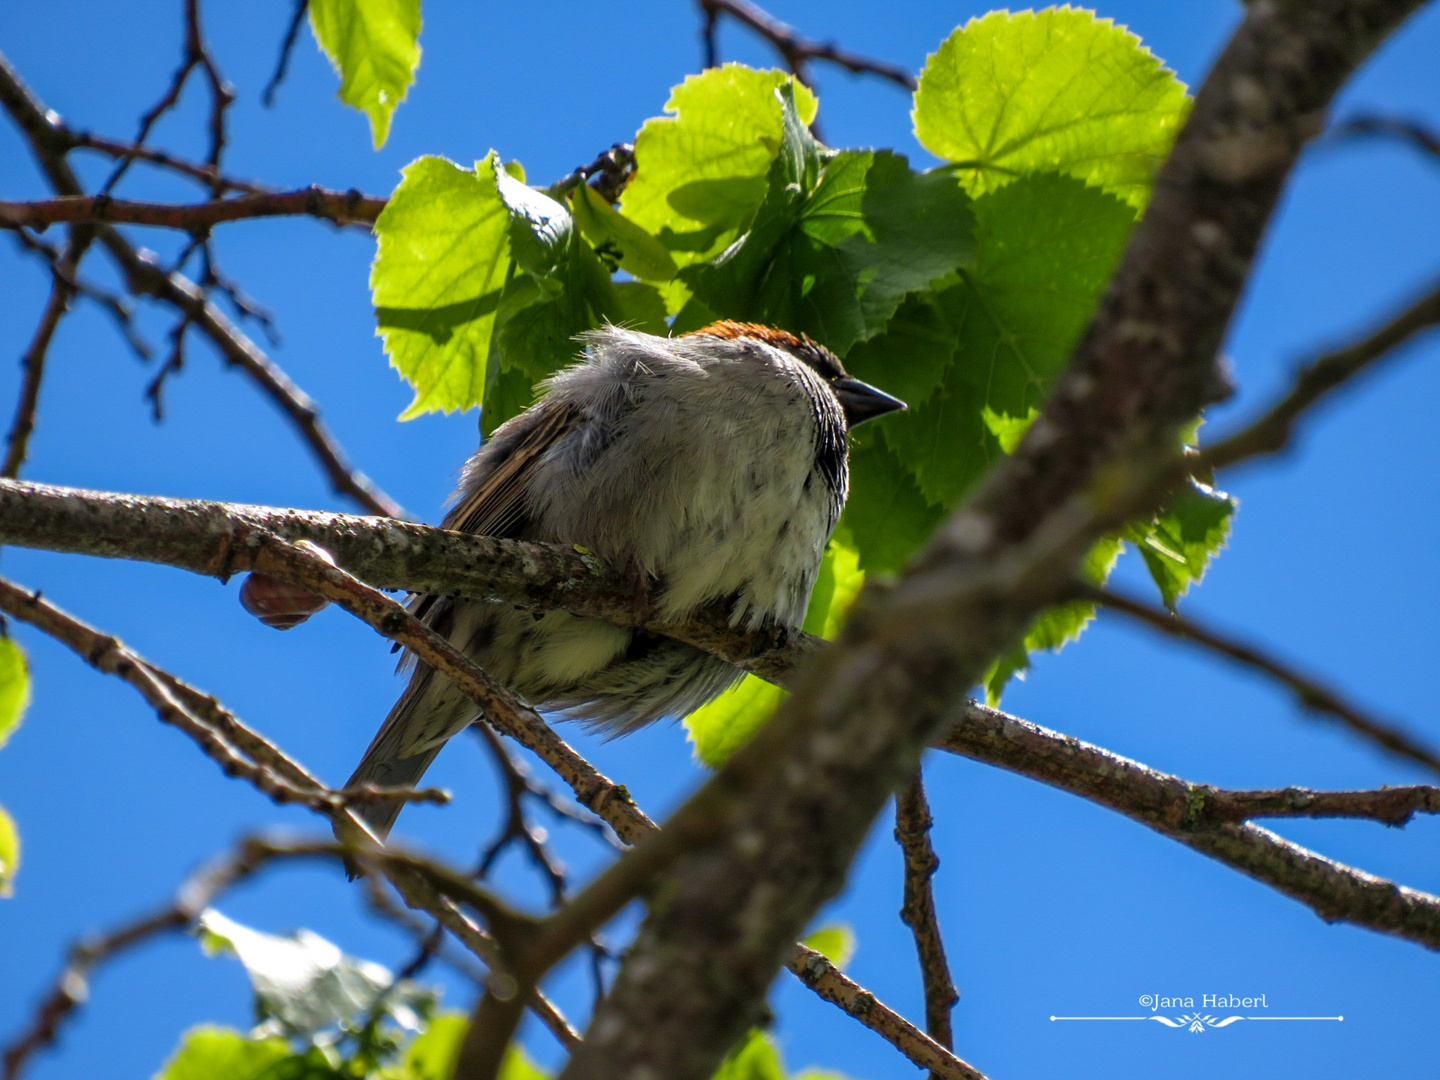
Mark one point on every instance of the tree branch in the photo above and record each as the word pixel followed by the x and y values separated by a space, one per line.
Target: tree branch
pixel 340 207
pixel 1372 125
pixel 49 141
pixel 796 51
pixel 1310 694
pixel 1317 380
pixel 219 539
pixel 912 832
pixel 1208 819
pixel 864 708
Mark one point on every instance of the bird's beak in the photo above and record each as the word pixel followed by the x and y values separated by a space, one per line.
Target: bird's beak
pixel 862 402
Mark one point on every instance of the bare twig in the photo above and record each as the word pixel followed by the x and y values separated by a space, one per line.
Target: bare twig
pixel 213 179
pixel 823 977
pixel 1373 125
pixel 32 363
pixel 339 207
pixel 1316 380
pixel 49 140
pixel 1311 694
pixel 912 831
pixel 196 55
pixel 287 46
pixel 517 826
pixel 1206 819
pixel 796 51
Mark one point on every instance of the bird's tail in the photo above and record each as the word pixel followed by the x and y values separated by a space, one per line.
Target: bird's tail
pixel 399 754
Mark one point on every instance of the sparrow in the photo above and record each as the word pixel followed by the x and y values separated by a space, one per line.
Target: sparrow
pixel 714 465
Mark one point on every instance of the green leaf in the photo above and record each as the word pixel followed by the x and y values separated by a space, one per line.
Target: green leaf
pixel 216 1053
pixel 1178 544
pixel 1045 249
pixel 374 47
pixel 636 251
pixel 9 853
pixel 910 357
pixel 887 515
pixel 838 242
pixel 305 983
pixel 516 1066
pixel 433 1053
pixel 720 728
pixel 756 1058
pixel 441 264
pixel 700 173
pixel 835 942
pixel 641 307
pixel 1057 90
pixel 1008 430
pixel 1054 627
pixel 14 687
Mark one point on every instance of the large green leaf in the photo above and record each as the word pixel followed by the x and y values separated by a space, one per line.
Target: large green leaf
pixel 838 242
pixel 218 1053
pixel 1057 90
pixel 14 687
pixel 9 853
pixel 374 45
pixel 636 251
pixel 720 728
pixel 887 515
pixel 700 173
pixel 440 268
pixel 1045 248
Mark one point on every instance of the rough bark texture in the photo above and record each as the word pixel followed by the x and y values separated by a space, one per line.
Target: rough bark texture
pixel 219 539
pixel 803 794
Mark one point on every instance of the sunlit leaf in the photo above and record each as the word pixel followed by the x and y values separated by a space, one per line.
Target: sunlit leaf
pixel 835 942
pixel 217 1053
pixel 756 1058
pixel 374 46
pixel 1179 542
pixel 1057 90
pixel 9 853
pixel 442 261
pixel 14 687
pixel 636 251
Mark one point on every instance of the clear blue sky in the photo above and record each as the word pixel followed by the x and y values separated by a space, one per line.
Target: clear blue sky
pixel 1049 905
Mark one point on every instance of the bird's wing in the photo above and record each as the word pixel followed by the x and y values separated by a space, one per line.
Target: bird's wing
pixel 496 505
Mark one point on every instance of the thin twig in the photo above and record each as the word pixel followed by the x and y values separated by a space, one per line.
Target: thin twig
pixel 1311 694
pixel 50 140
pixel 339 207
pixel 1372 125
pixel 32 362
pixel 215 181
pixel 287 46
pixel 793 49
pixel 196 55
pixel 912 831
pixel 237 750
pixel 823 977
pixel 1316 380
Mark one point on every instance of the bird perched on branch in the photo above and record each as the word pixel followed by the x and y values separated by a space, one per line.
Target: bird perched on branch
pixel 714 465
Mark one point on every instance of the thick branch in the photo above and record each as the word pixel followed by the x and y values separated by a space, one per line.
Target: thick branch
pixel 863 710
pixel 220 539
pixel 1207 819
pixel 1311 694
pixel 340 207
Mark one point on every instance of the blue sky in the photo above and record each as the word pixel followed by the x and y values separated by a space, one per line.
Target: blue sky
pixel 1049 904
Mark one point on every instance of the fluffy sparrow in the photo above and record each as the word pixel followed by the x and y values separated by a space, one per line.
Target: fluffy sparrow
pixel 713 464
